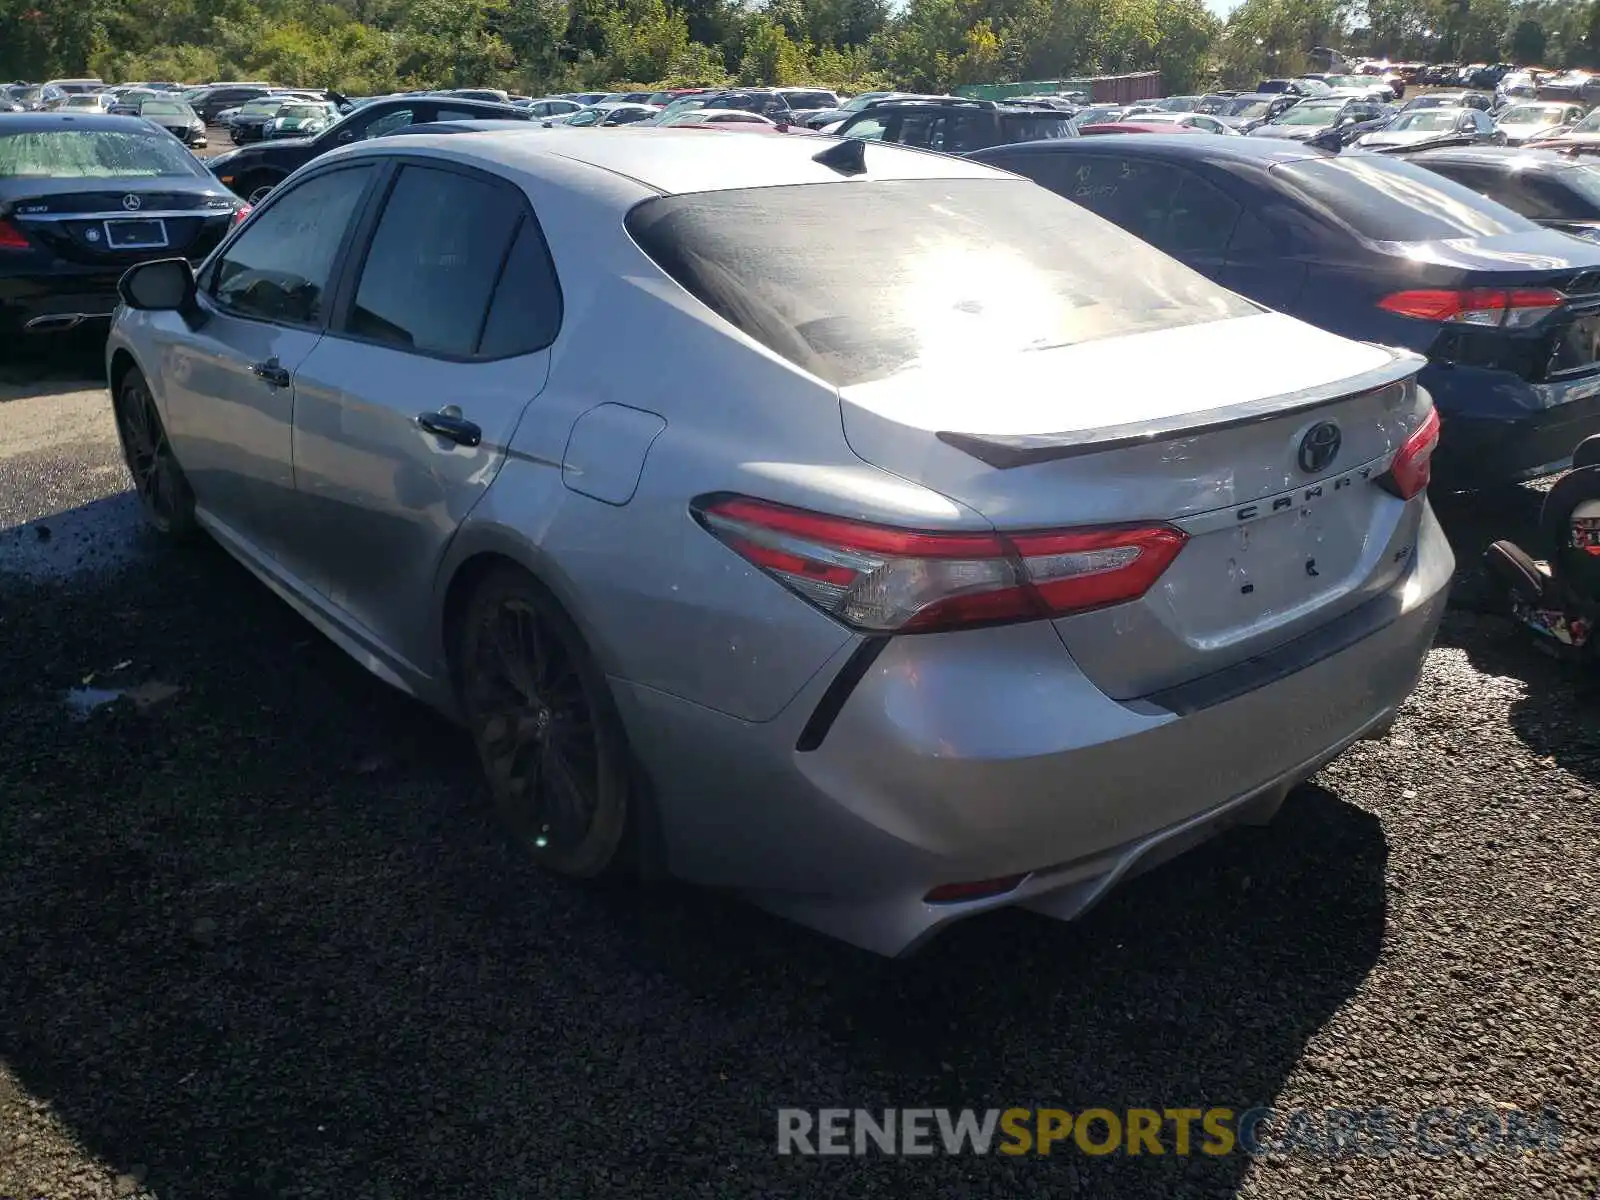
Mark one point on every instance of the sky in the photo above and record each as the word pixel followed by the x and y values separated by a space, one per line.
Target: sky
pixel 1222 7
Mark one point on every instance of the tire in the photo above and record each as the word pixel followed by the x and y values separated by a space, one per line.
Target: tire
pixel 254 188
pixel 158 480
pixel 545 727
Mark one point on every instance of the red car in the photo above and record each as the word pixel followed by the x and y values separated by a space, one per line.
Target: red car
pixel 1135 127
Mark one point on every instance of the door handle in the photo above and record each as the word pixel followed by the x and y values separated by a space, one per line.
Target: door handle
pixel 271 372
pixel 447 425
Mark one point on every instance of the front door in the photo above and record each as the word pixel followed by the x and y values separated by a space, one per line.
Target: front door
pixel 404 411
pixel 229 402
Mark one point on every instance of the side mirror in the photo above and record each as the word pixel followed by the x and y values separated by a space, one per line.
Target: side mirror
pixel 166 285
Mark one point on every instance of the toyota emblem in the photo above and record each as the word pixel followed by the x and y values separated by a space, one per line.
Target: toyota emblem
pixel 1319 447
pixel 131 202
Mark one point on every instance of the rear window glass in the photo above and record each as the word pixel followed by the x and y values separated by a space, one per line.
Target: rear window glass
pixel 915 272
pixel 92 154
pixel 1390 200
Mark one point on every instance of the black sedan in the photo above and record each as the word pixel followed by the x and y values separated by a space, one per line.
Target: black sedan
pixel 177 118
pixel 1378 249
pixel 1558 191
pixel 82 198
pixel 253 170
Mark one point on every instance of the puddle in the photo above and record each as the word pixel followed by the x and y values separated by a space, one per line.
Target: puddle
pixel 83 701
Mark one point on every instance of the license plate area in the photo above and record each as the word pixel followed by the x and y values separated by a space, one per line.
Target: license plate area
pixel 1257 567
pixel 1577 346
pixel 146 234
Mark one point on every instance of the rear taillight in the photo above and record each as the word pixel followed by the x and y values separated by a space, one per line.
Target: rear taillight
pixel 1515 308
pixel 11 238
pixel 1413 464
pixel 885 580
pixel 240 213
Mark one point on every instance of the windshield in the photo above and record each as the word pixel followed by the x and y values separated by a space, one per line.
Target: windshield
pixel 918 272
pixel 1585 180
pixel 1213 105
pixel 300 112
pixel 857 103
pixel 1310 114
pixel 1430 120
pixel 164 108
pixel 1246 110
pixel 82 102
pixel 94 154
pixel 1532 114
pixel 1388 199
pixel 260 108
pixel 1589 124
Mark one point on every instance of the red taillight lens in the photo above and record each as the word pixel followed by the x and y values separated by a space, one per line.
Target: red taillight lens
pixel 1516 308
pixel 1413 463
pixel 982 889
pixel 11 238
pixel 885 580
pixel 240 213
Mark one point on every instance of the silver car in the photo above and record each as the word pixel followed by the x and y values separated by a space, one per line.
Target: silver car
pixel 869 532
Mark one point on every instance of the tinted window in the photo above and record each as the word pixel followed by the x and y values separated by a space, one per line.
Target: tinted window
pixel 446 113
pixel 280 268
pixel 434 260
pixel 918 272
pixel 1034 129
pixel 526 310
pixel 387 122
pixel 1200 221
pixel 1392 200
pixel 953 133
pixel 812 99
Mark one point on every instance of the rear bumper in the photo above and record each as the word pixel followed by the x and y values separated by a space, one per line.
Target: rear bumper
pixel 985 754
pixel 54 303
pixel 1532 430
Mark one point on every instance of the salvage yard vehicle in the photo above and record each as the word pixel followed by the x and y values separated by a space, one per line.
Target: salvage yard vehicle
pixel 1554 190
pixel 253 171
pixel 1380 249
pixel 82 198
pixel 892 577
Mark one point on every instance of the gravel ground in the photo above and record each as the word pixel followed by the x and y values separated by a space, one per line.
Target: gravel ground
pixel 260 939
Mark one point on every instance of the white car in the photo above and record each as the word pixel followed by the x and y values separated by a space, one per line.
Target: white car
pixel 1525 122
pixel 1188 120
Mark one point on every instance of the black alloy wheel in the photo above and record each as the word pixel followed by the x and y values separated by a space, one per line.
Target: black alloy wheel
pixel 545 728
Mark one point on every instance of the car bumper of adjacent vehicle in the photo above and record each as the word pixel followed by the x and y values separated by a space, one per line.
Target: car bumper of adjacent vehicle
pixel 57 302
pixel 986 755
pixel 1531 429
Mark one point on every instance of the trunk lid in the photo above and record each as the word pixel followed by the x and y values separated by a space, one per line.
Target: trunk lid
pixel 119 225
pixel 1203 427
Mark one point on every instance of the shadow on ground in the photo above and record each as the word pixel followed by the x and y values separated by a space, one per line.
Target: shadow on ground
pixel 260 939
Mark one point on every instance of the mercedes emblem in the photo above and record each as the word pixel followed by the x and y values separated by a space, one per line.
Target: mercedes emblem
pixel 131 202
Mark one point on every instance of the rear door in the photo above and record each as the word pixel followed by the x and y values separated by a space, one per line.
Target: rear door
pixel 404 411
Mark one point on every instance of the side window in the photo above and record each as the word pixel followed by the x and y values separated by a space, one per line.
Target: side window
pixel 281 267
pixel 1201 219
pixel 525 312
pixel 1137 195
pixel 961 132
pixel 1253 240
pixel 435 257
pixel 388 122
pixel 870 128
pixel 585 118
pixel 924 130
pixel 446 113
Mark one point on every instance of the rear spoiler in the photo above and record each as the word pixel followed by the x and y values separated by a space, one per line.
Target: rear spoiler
pixel 1005 451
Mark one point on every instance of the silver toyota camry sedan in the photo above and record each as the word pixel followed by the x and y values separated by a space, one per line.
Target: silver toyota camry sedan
pixel 869 532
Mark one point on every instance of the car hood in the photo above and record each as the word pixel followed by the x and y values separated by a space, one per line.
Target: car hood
pixel 1401 137
pixel 1293 133
pixel 1573 141
pixel 1522 133
pixel 1537 250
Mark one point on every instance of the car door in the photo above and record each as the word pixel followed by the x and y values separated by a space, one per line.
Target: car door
pixel 228 385
pixel 403 412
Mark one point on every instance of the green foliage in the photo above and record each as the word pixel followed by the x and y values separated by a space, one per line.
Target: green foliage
pixel 536 46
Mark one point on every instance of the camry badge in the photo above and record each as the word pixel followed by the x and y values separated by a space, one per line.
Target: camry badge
pixel 1319 447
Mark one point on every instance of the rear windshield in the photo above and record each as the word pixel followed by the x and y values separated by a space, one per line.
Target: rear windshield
pixel 1390 200
pixel 93 154
pixel 1037 129
pixel 1428 120
pixel 856 281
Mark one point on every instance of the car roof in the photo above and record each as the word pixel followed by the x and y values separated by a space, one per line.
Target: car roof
pixel 674 161
pixel 40 121
pixel 1266 151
